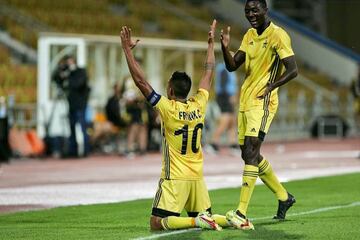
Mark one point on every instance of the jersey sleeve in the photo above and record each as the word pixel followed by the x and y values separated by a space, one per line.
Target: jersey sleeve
pixel 202 97
pixel 284 45
pixel 244 43
pixel 160 103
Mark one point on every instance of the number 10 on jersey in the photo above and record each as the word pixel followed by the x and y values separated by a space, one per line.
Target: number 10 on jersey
pixel 184 131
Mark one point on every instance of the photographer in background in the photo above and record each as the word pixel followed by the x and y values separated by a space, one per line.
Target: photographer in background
pixel 73 80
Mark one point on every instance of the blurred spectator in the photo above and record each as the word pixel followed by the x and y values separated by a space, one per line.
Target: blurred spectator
pixel 104 135
pixel 226 92
pixel 355 89
pixel 108 134
pixel 74 81
pixel 114 109
pixel 137 135
pixel 356 92
pixel 4 132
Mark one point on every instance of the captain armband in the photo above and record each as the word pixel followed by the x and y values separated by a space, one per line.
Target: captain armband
pixel 153 98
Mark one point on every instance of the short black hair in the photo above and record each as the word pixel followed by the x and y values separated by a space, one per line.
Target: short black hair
pixel 180 83
pixel 262 2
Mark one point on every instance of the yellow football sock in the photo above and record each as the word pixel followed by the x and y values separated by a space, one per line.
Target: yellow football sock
pixel 173 222
pixel 221 220
pixel 249 179
pixel 267 175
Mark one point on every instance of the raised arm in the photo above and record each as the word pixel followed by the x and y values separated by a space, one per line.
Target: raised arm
pixel 232 62
pixel 291 71
pixel 135 70
pixel 209 65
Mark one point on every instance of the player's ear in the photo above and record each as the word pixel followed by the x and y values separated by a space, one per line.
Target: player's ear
pixel 172 94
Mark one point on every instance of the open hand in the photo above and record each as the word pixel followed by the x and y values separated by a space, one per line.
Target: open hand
pixel 126 41
pixel 211 33
pixel 225 37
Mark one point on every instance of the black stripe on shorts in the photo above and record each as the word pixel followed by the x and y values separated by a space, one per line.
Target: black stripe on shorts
pixel 163 213
pixel 194 214
pixel 158 194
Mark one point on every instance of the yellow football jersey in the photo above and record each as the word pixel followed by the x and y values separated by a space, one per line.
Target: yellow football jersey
pixel 262 65
pixel 181 127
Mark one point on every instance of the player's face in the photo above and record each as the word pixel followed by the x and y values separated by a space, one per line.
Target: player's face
pixel 255 13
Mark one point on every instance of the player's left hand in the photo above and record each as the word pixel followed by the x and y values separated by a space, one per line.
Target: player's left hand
pixel 268 88
pixel 126 41
pixel 211 33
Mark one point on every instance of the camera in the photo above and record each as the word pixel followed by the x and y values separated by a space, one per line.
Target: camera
pixel 64 71
pixel 60 76
pixel 63 67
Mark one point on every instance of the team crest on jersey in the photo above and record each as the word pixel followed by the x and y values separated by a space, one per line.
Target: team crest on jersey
pixel 265 44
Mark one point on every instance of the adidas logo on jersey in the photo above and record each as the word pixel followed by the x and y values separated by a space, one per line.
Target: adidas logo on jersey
pixel 253 130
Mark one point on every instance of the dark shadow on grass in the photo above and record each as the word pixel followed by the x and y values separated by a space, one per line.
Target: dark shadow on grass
pixel 262 232
pixel 272 222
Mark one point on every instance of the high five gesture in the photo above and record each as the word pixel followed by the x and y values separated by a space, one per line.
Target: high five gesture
pixel 209 65
pixel 211 33
pixel 232 62
pixel 225 37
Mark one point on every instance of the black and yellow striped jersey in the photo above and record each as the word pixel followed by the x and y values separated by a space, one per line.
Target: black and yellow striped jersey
pixel 262 64
pixel 181 127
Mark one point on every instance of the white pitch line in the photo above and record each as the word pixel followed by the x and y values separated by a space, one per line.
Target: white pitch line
pixel 168 234
pixel 354 204
pixel 326 209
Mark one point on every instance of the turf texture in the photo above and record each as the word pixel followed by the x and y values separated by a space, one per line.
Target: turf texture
pixel 326 208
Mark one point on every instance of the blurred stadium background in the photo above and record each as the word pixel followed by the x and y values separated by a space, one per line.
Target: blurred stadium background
pixel 35 34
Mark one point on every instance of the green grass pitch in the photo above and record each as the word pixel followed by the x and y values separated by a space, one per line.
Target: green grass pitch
pixel 129 220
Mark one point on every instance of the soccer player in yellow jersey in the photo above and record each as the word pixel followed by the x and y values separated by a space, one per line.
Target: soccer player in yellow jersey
pixel 269 63
pixel 181 185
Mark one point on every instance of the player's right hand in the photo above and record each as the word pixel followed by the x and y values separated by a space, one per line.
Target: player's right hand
pixel 126 40
pixel 225 37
